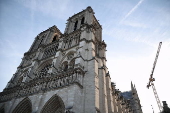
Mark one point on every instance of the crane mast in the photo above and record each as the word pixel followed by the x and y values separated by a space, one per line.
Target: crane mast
pixel 151 79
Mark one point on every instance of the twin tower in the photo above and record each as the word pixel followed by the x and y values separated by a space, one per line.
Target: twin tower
pixel 67 73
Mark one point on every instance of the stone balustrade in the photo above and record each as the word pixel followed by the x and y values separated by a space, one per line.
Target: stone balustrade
pixel 44 83
pixel 50 50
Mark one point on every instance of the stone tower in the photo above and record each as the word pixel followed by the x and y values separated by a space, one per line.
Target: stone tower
pixel 63 73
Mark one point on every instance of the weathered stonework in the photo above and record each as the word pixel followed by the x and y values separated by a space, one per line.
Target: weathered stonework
pixel 65 73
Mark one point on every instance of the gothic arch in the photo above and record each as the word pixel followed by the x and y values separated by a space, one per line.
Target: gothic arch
pixel 70 42
pixel 54 105
pixel 43 64
pixel 43 69
pixel 64 58
pixel 54 38
pixel 24 106
pixel 65 66
pixel 70 52
pixel 82 21
pixel 75 25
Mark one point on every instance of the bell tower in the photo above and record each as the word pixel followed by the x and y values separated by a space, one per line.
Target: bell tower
pixel 77 20
pixel 65 71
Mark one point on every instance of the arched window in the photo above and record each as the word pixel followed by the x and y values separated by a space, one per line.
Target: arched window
pixel 54 38
pixel 70 56
pixel 24 106
pixel 65 44
pixel 54 105
pixel 65 66
pixel 75 25
pixel 82 20
pixel 69 45
pixel 41 40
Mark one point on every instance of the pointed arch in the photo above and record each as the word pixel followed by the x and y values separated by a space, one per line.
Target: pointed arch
pixel 55 38
pixel 43 68
pixel 43 64
pixel 82 20
pixel 54 105
pixel 75 25
pixel 24 106
pixel 66 55
pixel 65 66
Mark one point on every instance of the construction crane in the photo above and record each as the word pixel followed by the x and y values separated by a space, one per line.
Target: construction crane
pixel 151 79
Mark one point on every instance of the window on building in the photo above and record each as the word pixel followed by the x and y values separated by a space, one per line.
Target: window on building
pixel 53 105
pixel 82 20
pixel 41 41
pixel 65 66
pixel 54 39
pixel 24 106
pixel 69 45
pixel 65 44
pixel 75 25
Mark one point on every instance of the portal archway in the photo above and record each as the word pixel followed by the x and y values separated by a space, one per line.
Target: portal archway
pixel 54 105
pixel 24 106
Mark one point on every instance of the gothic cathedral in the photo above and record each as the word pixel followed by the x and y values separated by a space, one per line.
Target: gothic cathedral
pixel 67 73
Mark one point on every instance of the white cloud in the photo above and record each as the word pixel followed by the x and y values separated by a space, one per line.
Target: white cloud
pixel 141 35
pixel 134 24
pixel 54 8
pixel 132 10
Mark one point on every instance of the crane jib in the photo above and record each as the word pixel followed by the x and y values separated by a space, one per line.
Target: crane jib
pixel 151 79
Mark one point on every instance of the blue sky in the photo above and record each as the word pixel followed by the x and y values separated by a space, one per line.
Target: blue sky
pixel 132 30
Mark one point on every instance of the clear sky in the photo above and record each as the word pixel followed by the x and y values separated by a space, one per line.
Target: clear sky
pixel 132 30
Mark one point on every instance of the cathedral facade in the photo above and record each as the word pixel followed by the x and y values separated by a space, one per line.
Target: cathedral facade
pixel 67 73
